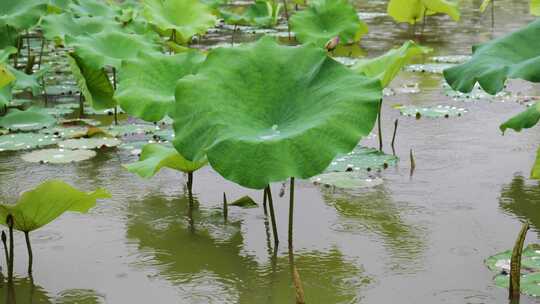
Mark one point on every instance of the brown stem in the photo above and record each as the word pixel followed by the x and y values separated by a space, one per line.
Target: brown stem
pixel 413 163
pixel 265 203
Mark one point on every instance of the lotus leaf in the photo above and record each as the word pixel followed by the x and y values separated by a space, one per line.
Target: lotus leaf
pixel 148 82
pixel 31 119
pixel 89 143
pixel 58 111
pixel 92 8
pixel 412 11
pixel 455 59
pixel 6 77
pixel 362 158
pixel 530 260
pixel 66 132
pixel 516 55
pixel 535 7
pixel 6 95
pixel 8 36
pixel 524 120
pixel 347 180
pixel 93 83
pixel 109 48
pixel 264 13
pixel 386 67
pixel 45 203
pixel 24 81
pixel 131 129
pixel 264 112
pixel 535 171
pixel 244 202
pixel 432 112
pixel 185 17
pixel 56 27
pixel 529 283
pixel 25 141
pixel 58 156
pixel 325 19
pixel 4 53
pixel 21 14
pixel 156 156
pixel 434 68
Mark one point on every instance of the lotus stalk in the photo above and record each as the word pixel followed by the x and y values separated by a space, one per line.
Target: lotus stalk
pixel 10 223
pixel 291 214
pixel 225 207
pixel 297 281
pixel 515 265
pixel 379 126
pixel 394 136
pixel 30 255
pixel 265 203
pixel 114 87
pixel 413 163
pixel 286 9
pixel 268 191
pixel 6 252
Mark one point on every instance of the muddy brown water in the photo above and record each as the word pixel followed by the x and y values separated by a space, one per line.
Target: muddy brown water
pixel 419 239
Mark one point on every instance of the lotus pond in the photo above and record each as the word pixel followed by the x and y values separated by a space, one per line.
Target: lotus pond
pixel 114 92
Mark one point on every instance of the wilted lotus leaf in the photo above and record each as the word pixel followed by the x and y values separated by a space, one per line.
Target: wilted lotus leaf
pixel 362 158
pixel 156 156
pixel 21 14
pixel 346 180
pixel 386 67
pixel 148 82
pixel 58 156
pixel 31 119
pixel 412 11
pixel 109 48
pixel 186 17
pixel 45 203
pixel 325 19
pixel 89 143
pixel 516 55
pixel 25 141
pixel 276 112
pixel 432 112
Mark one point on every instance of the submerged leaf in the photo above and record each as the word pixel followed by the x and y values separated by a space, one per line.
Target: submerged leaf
pixel 325 19
pixel 524 120
pixel 264 112
pixel 156 156
pixel 515 55
pixel 47 202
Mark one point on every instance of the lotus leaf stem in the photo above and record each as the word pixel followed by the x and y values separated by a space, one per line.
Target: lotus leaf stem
pixel 424 21
pixel 30 255
pixel 297 281
pixel 43 43
pixel 81 105
pixel 379 126
pixel 272 216
pixel 413 163
pixel 287 17
pixel 265 203
pixel 4 241
pixel 291 214
pixel 9 222
pixel 115 107
pixel 394 136
pixel 515 264
pixel 225 207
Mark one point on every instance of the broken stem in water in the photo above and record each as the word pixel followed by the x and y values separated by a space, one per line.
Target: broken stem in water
pixel 272 217
pixel 30 255
pixel 225 207
pixel 379 126
pixel 394 136
pixel 515 264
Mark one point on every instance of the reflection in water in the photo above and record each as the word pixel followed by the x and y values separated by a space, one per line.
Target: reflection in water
pixel 374 211
pixel 522 200
pixel 24 291
pixel 209 265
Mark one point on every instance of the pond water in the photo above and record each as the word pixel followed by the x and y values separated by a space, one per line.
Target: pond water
pixel 418 239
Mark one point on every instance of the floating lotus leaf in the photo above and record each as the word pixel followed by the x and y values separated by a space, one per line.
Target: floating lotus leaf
pixel 476 94
pixel 346 180
pixel 148 82
pixel 516 55
pixel 93 83
pixel 156 156
pixel 21 102
pixel 25 141
pixel 529 283
pixel 386 67
pixel 186 17
pixel 276 112
pixel 57 26
pixel 412 11
pixel 89 143
pixel 432 112
pixel 31 119
pixel 58 156
pixel 57 111
pixel 45 203
pixel 362 158
pixel 244 202
pixel 109 48
pixel 455 59
pixel 130 129
pixel 21 14
pixel 325 19
pixel 69 105
pixel 165 134
pixel 80 122
pixel 524 120
pixel 530 260
pixel 433 68
pixel 66 132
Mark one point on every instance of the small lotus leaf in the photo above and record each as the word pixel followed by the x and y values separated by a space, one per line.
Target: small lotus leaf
pixel 45 203
pixel 31 119
pixel 325 19
pixel 58 156
pixel 524 120
pixel 412 11
pixel 131 129
pixel 386 67
pixel 186 17
pixel 529 283
pixel 148 82
pixel 515 55
pixel 89 143
pixel 25 141
pixel 346 180
pixel 432 112
pixel 362 158
pixel 156 156
pixel 244 202
pixel 276 112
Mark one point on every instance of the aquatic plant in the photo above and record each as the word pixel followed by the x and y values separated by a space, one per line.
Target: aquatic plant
pixel 262 13
pixel 22 14
pixel 412 11
pixel 40 206
pixel 325 19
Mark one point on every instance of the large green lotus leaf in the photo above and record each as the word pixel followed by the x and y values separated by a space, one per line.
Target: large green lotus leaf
pixel 516 55
pixel 524 120
pixel 25 141
pixel 58 156
pixel 93 83
pixel 46 202
pixel 387 66
pixel 412 11
pixel 186 17
pixel 156 156
pixel 8 36
pixel 31 119
pixel 148 82
pixel 109 48
pixel 21 14
pixel 57 26
pixel 264 112
pixel 6 95
pixel 325 19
